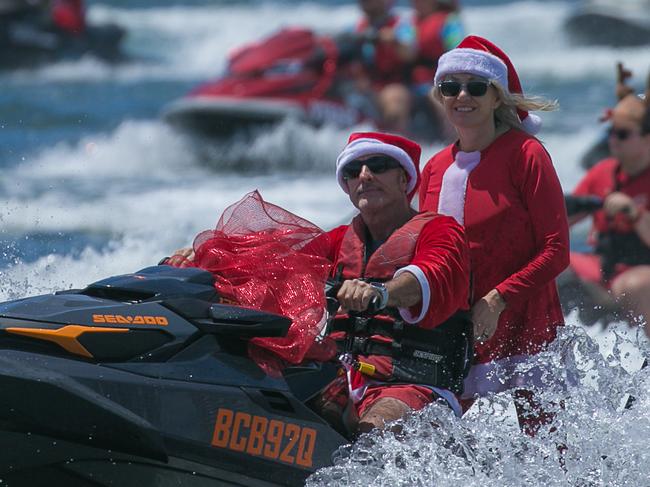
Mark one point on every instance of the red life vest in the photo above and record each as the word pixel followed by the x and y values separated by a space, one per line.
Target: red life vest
pixel 388 67
pixel 393 254
pixel 430 46
pixel 446 350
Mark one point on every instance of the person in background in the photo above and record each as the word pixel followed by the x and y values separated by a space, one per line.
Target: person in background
pixel 69 16
pixel 600 150
pixel 386 45
pixel 498 180
pixel 415 264
pixel 618 273
pixel 385 42
pixel 437 28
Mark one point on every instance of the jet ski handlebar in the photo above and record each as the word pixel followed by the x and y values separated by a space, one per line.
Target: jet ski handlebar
pixel 582 204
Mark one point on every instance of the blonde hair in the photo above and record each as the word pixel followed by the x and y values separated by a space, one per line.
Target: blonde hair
pixel 506 113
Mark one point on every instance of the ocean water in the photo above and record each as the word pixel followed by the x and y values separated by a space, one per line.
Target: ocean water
pixel 93 183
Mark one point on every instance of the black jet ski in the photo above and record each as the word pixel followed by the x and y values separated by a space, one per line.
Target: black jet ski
pixel 27 44
pixel 576 294
pixel 143 380
pixel 610 23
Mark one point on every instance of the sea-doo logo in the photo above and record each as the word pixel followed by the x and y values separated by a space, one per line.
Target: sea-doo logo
pixel 428 356
pixel 261 436
pixel 131 320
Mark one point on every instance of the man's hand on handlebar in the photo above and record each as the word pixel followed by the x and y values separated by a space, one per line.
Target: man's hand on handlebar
pixel 180 256
pixel 618 202
pixel 356 295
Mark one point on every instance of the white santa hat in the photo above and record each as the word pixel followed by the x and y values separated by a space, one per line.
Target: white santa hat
pixel 478 56
pixel 403 150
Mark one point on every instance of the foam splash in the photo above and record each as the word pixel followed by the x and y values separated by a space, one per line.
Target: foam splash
pixel 592 439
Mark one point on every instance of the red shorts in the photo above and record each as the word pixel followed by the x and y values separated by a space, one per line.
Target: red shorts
pixel 415 397
pixel 587 267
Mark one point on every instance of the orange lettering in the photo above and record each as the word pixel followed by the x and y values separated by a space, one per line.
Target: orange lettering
pixel 306 446
pixel 121 319
pixel 161 320
pixel 222 426
pixel 293 432
pixel 109 318
pixel 138 320
pixel 98 319
pixel 149 320
pixel 236 443
pixel 256 438
pixel 274 437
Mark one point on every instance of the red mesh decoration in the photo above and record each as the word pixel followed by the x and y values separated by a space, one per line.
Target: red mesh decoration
pixel 258 257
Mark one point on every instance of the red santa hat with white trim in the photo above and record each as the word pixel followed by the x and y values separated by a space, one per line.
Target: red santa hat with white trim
pixel 478 56
pixel 403 150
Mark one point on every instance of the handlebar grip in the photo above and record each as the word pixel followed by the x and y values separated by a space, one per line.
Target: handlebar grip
pixel 582 204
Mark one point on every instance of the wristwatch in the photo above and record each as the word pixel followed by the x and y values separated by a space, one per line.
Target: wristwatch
pixel 383 294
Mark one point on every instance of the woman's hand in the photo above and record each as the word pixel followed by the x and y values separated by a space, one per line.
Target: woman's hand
pixel 180 256
pixel 485 315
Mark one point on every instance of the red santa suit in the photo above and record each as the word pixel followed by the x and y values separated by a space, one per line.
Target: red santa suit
pixel 509 199
pixel 601 180
pixel 429 246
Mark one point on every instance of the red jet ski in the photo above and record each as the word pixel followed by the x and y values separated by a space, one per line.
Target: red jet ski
pixel 294 73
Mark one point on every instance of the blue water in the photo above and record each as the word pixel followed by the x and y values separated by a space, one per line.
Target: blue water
pixel 93 183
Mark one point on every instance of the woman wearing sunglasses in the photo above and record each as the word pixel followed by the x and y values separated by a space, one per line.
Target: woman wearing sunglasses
pixel 618 272
pixel 499 182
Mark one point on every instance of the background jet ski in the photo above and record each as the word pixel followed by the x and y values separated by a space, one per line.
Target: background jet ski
pixel 291 74
pixel 143 379
pixel 607 22
pixel 30 35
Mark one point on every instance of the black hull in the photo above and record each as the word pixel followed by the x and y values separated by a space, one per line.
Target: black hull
pixel 155 433
pixel 42 461
pixel 226 117
pixel 26 46
pixel 592 28
pixel 143 380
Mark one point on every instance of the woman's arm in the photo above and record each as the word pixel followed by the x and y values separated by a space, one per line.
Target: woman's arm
pixel 542 195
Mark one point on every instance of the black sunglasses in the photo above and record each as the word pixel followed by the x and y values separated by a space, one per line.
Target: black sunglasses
pixel 376 164
pixel 620 134
pixel 474 88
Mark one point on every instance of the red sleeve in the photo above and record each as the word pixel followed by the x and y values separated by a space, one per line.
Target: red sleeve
pixel 442 254
pixel 584 186
pixel 534 175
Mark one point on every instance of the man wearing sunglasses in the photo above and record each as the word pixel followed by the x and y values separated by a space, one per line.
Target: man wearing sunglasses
pixel 414 264
pixel 621 230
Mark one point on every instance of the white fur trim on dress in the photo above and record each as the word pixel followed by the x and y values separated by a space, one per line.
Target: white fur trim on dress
pixel 405 313
pixel 451 201
pixel 472 61
pixel 366 147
